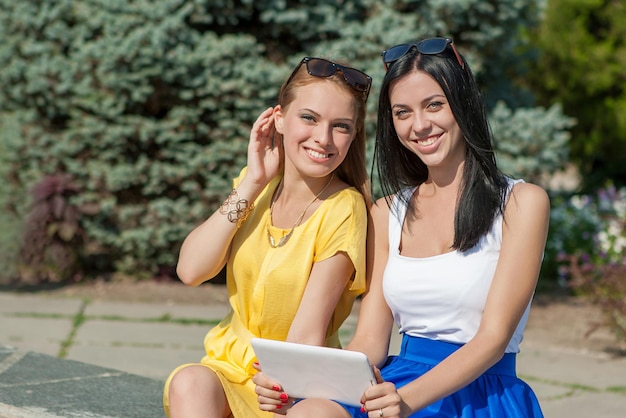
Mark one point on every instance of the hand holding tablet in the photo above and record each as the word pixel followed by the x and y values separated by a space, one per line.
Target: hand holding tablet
pixel 307 371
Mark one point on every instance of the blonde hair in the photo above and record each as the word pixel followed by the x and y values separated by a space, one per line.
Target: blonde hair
pixel 352 169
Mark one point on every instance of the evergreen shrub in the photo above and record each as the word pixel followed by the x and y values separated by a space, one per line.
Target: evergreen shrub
pixel 146 105
pixel 148 115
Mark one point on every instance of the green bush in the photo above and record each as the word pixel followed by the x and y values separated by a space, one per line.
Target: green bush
pixel 531 142
pixel 598 271
pixel 589 227
pixel 147 105
pixel 581 63
pixel 10 223
pixel 147 114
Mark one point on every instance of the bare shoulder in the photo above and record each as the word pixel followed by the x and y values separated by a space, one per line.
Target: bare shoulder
pixel 528 197
pixel 380 210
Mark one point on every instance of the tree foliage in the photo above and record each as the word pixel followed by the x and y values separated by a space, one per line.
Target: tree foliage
pixel 582 64
pixel 533 141
pixel 146 105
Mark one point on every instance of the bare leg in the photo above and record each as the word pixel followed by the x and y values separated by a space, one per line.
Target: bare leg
pixel 196 392
pixel 315 408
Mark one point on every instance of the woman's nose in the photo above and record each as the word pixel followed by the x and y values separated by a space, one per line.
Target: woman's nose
pixel 421 122
pixel 324 135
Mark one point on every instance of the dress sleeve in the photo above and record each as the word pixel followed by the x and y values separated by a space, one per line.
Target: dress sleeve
pixel 344 229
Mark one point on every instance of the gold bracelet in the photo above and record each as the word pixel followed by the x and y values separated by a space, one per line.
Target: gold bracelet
pixel 237 210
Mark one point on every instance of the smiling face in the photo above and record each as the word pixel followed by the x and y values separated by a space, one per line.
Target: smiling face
pixel 318 127
pixel 424 122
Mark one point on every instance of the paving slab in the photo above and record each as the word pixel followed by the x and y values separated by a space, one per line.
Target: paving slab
pixel 120 353
pixel 585 405
pixel 148 349
pixel 593 370
pixel 15 304
pixel 44 335
pixel 155 311
pixel 546 391
pixel 154 363
pixel 34 385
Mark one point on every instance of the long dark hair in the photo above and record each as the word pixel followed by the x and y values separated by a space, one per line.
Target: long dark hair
pixel 483 188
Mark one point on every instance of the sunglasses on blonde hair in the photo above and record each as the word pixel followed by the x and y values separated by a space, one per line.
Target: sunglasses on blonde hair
pixel 320 67
pixel 430 46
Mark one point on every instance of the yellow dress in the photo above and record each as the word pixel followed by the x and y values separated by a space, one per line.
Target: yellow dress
pixel 265 287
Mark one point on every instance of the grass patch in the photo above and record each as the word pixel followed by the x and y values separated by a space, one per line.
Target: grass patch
pixel 79 319
pixel 617 389
pixel 37 315
pixel 573 386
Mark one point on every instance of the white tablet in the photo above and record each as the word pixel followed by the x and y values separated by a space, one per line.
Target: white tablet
pixel 307 371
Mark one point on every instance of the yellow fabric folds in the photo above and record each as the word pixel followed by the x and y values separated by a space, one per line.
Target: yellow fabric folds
pixel 265 286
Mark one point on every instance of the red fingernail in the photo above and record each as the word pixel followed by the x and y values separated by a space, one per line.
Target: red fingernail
pixel 256 363
pixel 283 396
pixel 276 388
pixel 279 406
pixel 362 408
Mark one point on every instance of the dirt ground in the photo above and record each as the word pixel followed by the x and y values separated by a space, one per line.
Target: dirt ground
pixel 571 324
pixel 555 321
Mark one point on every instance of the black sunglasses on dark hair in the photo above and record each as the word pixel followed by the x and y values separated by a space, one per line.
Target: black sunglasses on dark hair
pixel 320 67
pixel 430 46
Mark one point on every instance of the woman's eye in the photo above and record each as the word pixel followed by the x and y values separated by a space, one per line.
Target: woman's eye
pixel 434 105
pixel 400 113
pixel 307 117
pixel 343 127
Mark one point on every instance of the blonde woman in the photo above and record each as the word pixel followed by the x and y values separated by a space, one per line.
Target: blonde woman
pixel 291 234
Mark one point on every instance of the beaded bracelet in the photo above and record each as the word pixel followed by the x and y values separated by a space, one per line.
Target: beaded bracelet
pixel 237 210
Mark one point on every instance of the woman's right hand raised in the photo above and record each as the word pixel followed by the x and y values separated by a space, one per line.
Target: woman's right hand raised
pixel 264 153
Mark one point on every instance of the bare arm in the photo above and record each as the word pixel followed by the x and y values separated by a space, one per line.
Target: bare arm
pixel 524 237
pixel 375 322
pixel 327 283
pixel 205 250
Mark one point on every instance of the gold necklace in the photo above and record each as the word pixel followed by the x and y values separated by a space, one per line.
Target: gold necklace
pixel 285 238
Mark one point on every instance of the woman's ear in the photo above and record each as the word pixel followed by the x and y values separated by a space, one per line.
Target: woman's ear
pixel 278 119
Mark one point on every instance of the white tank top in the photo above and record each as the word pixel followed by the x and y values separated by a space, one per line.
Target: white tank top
pixel 443 297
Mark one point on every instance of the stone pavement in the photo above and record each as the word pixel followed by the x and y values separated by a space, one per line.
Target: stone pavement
pixel 73 357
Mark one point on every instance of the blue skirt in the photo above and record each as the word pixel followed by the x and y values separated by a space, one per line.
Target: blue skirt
pixel 496 393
